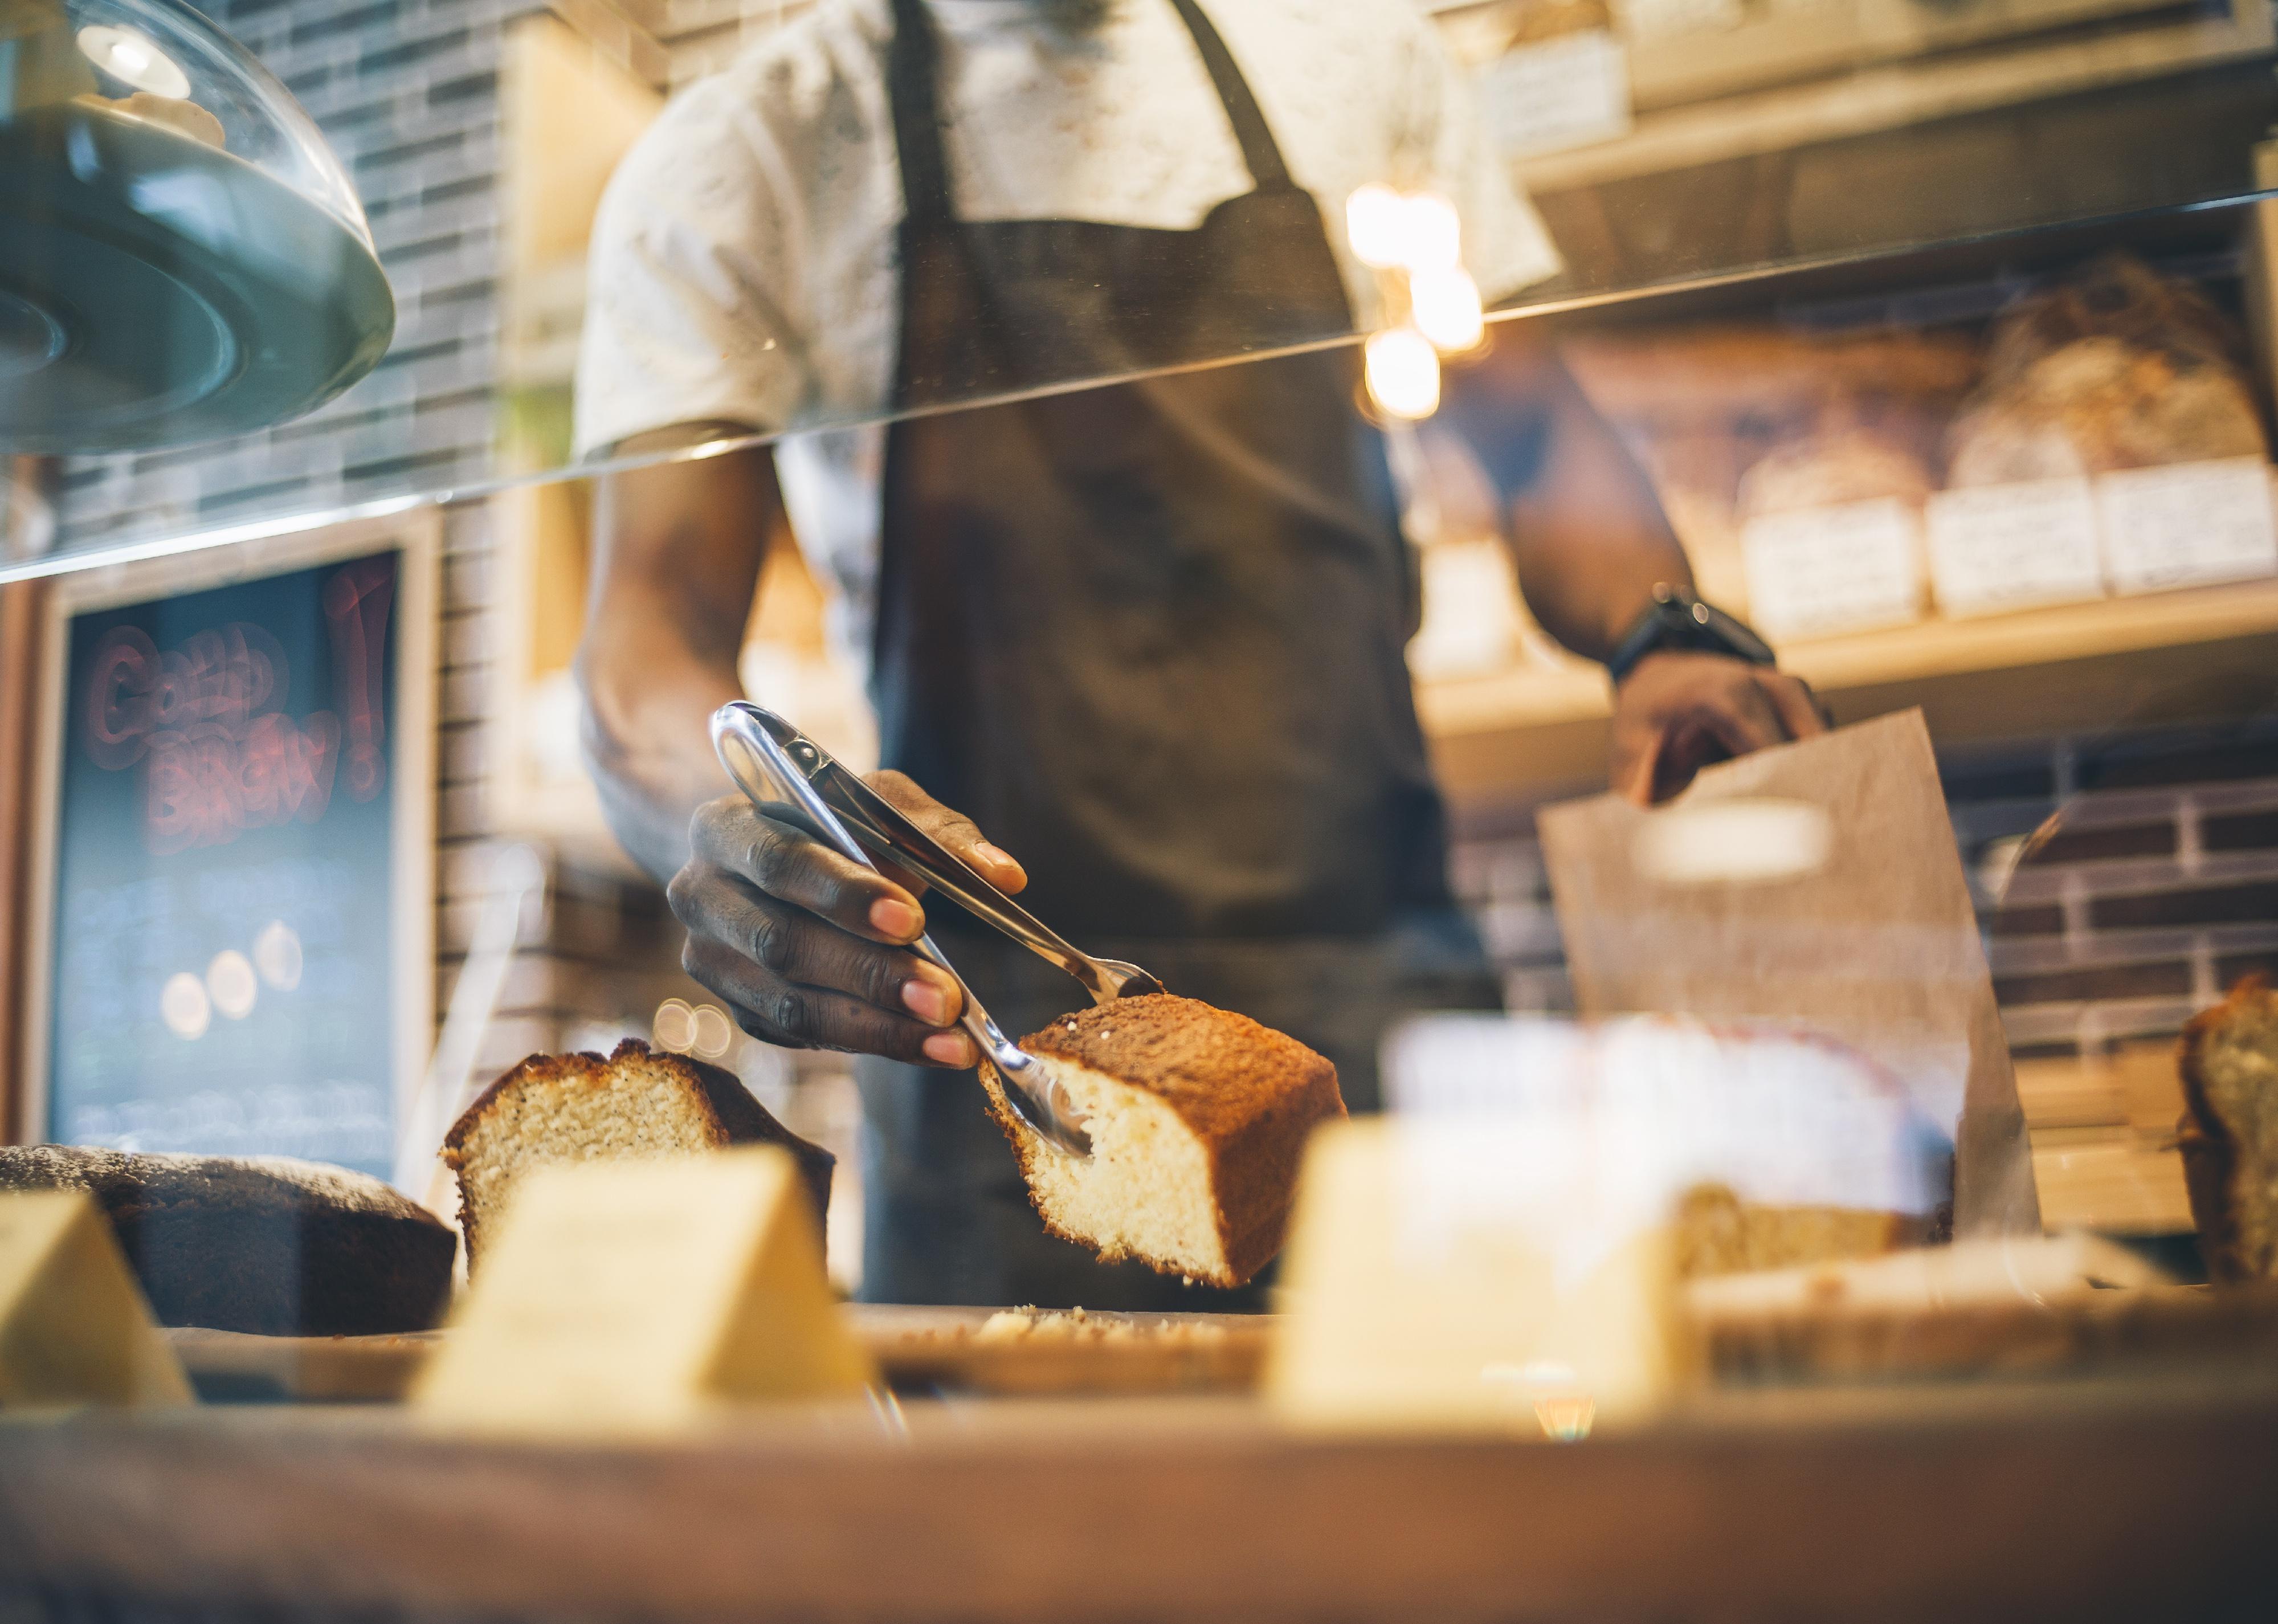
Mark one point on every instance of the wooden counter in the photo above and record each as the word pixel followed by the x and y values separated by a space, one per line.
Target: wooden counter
pixel 2089 1500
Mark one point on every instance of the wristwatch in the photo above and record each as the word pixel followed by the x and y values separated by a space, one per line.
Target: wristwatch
pixel 1677 621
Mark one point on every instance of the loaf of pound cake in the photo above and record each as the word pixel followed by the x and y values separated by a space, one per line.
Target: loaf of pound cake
pixel 260 1244
pixel 581 1107
pixel 1198 1118
pixel 2228 1134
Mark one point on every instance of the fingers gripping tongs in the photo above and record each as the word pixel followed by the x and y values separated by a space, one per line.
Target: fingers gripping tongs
pixel 787 776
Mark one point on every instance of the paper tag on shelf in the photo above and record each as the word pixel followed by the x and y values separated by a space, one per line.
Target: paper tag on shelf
pixel 1848 568
pixel 1456 1274
pixel 2005 546
pixel 2191 524
pixel 1563 92
pixel 638 1295
pixel 74 1326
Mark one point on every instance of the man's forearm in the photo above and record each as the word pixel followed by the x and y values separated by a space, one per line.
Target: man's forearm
pixel 1586 529
pixel 647 745
pixel 677 552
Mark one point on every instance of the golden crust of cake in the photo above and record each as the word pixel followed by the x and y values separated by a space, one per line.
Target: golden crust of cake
pixel 1218 1070
pixel 1248 1095
pixel 2229 1132
pixel 725 1110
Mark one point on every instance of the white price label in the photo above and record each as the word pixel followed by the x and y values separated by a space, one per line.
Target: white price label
pixel 2188 525
pixel 1563 92
pixel 1848 567
pixel 2005 546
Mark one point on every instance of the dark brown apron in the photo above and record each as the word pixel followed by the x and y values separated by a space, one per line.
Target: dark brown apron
pixel 1149 636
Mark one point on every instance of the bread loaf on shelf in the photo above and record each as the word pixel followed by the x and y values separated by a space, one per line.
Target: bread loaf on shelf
pixel 2118 367
pixel 259 1244
pixel 1198 1118
pixel 2229 1131
pixel 581 1107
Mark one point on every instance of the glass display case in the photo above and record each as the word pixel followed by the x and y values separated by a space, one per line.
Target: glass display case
pixel 1772 508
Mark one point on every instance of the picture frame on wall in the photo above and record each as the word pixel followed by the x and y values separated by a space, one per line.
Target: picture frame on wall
pixel 230 940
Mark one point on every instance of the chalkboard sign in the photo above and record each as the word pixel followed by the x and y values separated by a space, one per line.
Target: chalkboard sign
pixel 234 862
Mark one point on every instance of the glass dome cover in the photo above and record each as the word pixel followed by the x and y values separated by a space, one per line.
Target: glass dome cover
pixel 181 257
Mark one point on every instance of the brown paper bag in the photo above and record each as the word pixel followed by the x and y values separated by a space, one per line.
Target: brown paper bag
pixel 1818 883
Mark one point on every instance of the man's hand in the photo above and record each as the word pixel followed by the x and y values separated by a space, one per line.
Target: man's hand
pixel 1678 713
pixel 808 947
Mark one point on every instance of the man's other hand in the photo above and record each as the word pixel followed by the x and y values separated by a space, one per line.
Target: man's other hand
pixel 809 949
pixel 1678 713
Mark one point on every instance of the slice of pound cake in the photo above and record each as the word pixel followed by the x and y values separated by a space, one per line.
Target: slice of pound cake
pixel 2229 1131
pixel 1197 1120
pixel 581 1107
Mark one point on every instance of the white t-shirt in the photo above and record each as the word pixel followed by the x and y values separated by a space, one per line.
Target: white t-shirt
pixel 743 265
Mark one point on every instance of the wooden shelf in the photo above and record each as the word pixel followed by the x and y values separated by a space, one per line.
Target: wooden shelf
pixel 2202 654
pixel 1893 95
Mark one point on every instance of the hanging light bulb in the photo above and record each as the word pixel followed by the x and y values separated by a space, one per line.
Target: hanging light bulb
pixel 1402 371
pixel 1445 305
pixel 128 55
pixel 1376 224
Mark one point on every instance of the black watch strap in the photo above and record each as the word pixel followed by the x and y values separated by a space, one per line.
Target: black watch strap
pixel 1676 621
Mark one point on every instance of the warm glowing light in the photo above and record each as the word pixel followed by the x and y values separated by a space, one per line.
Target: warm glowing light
pixel 229 982
pixel 710 1032
pixel 1403 373
pixel 130 57
pixel 277 955
pixel 1376 224
pixel 675 1026
pixel 1445 305
pixel 1403 231
pixel 184 1007
pixel 1432 234
pixel 1754 841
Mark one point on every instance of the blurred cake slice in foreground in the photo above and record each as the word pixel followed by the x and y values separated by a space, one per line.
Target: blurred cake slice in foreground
pixel 1198 1118
pixel 2230 1136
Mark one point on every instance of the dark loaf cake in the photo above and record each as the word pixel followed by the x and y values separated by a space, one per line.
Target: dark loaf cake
pixel 261 1244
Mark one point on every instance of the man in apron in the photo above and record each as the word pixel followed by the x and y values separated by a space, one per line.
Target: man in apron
pixel 1147 638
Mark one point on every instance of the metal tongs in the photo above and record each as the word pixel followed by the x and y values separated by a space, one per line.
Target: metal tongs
pixel 788 777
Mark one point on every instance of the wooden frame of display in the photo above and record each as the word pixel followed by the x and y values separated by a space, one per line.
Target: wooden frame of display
pixel 22 614
pixel 416 536
pixel 1732 106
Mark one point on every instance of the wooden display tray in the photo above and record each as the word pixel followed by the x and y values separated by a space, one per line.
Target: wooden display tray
pixel 923 1351
pixel 2144 1499
pixel 919 1349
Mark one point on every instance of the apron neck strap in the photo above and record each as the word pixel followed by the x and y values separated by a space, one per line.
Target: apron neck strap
pixel 1259 151
pixel 912 91
pixel 912 84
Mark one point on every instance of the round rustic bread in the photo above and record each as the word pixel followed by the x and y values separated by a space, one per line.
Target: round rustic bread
pixel 260 1244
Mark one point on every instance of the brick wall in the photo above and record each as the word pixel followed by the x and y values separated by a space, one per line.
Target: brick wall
pixel 2152 893
pixel 406 93
pixel 2124 884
